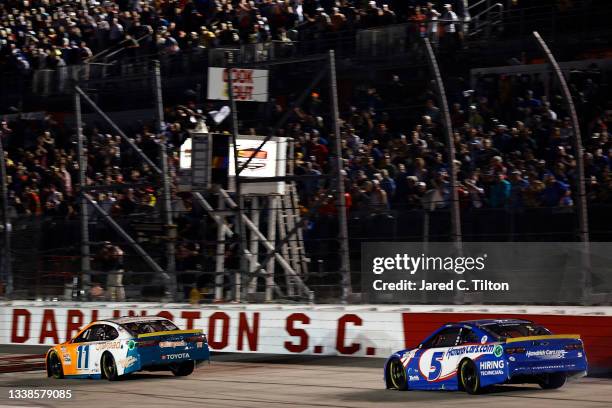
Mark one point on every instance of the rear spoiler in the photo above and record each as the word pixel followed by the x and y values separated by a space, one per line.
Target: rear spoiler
pixel 165 333
pixel 547 337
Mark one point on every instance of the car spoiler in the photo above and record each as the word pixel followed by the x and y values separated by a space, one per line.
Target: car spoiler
pixel 546 337
pixel 166 333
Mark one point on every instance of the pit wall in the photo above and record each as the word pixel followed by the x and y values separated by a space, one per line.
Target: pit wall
pixel 364 330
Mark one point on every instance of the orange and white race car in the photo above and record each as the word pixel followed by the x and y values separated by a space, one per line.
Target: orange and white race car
pixel 116 347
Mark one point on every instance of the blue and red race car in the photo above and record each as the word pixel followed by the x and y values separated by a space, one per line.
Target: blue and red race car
pixel 473 355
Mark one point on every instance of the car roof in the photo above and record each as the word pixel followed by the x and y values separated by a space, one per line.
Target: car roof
pixel 484 322
pixel 133 319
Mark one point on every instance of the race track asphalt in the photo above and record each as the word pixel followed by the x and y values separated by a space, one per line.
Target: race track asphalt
pixel 239 380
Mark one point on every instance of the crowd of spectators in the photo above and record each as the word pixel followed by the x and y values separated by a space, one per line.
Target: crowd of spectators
pixel 36 34
pixel 514 149
pixel 42 167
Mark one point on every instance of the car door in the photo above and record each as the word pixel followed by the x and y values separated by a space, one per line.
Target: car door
pixel 90 345
pixel 81 349
pixel 435 363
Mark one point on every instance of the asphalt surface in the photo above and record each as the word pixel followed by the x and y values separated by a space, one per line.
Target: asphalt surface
pixel 239 380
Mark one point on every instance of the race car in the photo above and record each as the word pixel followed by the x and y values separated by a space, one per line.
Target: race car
pixel 116 347
pixel 473 355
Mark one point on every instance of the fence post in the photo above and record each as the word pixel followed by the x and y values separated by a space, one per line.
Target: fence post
pixel 345 269
pixel 166 200
pixel 583 216
pixel 83 206
pixel 6 266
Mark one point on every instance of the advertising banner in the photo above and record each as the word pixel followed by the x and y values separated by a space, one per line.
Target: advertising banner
pixel 250 85
pixel 269 161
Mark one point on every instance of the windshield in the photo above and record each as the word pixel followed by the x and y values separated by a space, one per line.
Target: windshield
pixel 509 330
pixel 149 326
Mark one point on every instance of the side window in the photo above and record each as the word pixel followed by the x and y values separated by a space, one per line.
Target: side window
pixel 85 336
pixel 97 333
pixel 111 333
pixel 445 338
pixel 468 336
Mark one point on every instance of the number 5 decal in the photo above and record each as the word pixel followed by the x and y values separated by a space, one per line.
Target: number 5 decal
pixel 435 367
pixel 83 357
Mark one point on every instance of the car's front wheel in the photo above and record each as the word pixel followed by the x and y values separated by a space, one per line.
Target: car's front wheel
pixel 552 381
pixel 469 378
pixel 182 369
pixel 396 375
pixel 109 368
pixel 54 366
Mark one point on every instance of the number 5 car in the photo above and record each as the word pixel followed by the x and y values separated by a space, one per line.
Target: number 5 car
pixel 473 355
pixel 117 347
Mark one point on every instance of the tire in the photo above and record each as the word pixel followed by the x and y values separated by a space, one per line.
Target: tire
pixel 469 379
pixel 183 369
pixel 54 366
pixel 108 367
pixel 396 375
pixel 553 381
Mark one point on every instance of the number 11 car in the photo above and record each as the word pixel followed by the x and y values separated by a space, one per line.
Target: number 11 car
pixel 473 355
pixel 117 347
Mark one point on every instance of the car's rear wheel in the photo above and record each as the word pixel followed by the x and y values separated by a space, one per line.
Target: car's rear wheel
pixel 109 368
pixel 552 381
pixel 396 375
pixel 182 369
pixel 54 365
pixel 469 378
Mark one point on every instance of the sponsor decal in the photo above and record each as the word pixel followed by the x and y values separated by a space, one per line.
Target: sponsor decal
pixel 128 362
pixel 547 354
pixel 498 350
pixel 484 339
pixel 131 345
pixel 407 357
pixel 176 356
pixel 458 351
pixel 512 358
pixel 492 367
pixel 109 345
pixel 413 378
pixel 167 344
pixel 67 359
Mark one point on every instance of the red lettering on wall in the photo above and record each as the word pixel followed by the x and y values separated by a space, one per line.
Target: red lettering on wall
pixel 48 327
pixel 341 334
pixel 166 314
pixel 212 324
pixel 94 315
pixel 74 321
pixel 252 334
pixel 116 314
pixel 27 317
pixel 190 317
pixel 133 313
pixel 301 333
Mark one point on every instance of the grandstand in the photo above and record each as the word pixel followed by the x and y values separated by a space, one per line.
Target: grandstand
pixel 511 128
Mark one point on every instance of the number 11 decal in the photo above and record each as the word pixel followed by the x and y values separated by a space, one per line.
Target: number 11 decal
pixel 83 354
